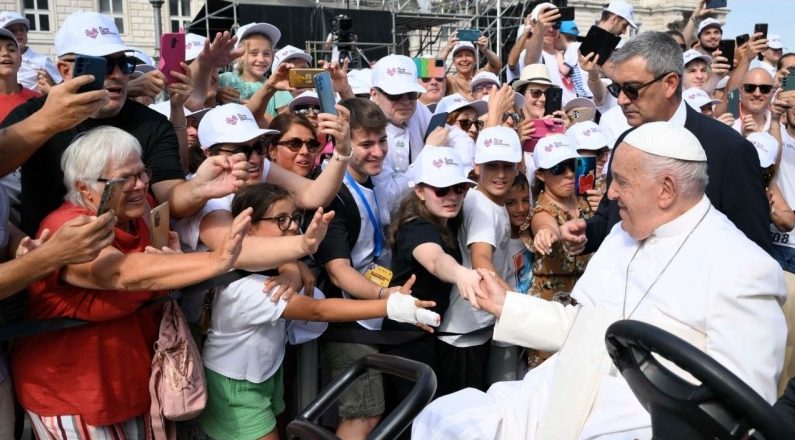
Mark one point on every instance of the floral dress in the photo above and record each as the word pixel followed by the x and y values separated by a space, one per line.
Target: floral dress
pixel 554 275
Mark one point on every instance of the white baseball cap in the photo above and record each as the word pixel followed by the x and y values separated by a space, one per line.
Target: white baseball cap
pixel 194 43
pixel 7 18
pixel 708 22
pixel 395 75
pixel 623 10
pixel 666 139
pixel 440 167
pixel 88 33
pixel 288 53
pixel 463 45
pixel 774 41
pixel 766 147
pixel 5 33
pixel 587 135
pixel 484 77
pixel 698 98
pixel 539 8
pixel 229 123
pixel 456 101
pixel 267 29
pixel 498 144
pixel 552 150
pixel 692 54
pixel 308 97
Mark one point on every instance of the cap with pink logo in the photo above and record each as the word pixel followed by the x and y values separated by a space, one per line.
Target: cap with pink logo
pixel 456 101
pixel 395 75
pixel 440 167
pixel 588 136
pixel 289 53
pixel 552 150
pixel 88 33
pixel 194 43
pixel 229 123
pixel 498 144
pixel 698 98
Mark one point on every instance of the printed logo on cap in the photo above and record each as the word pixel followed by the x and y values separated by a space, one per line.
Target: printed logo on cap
pixel 444 161
pixel 232 120
pixel 392 71
pixel 497 142
pixel 555 144
pixel 92 33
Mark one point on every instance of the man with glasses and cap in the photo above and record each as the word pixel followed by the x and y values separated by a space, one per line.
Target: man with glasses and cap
pixel 647 83
pixel 38 147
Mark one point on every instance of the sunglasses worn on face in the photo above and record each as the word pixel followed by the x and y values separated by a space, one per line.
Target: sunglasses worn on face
pixel 308 110
pixel 560 168
pixel 427 80
pixel 630 90
pixel 458 189
pixel 466 124
pixel 535 93
pixel 296 144
pixel 516 117
pixel 412 96
pixel 285 221
pixel 763 88
pixel 126 64
pixel 248 150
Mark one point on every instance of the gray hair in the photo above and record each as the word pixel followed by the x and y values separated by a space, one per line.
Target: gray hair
pixel 89 156
pixel 690 176
pixel 660 50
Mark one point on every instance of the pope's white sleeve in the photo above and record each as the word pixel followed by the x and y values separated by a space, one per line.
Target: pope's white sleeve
pixel 533 322
pixel 745 327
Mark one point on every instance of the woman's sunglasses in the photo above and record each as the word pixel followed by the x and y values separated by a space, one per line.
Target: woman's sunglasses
pixel 561 168
pixel 296 144
pixel 458 189
pixel 466 124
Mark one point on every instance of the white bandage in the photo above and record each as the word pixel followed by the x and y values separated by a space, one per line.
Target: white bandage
pixel 402 308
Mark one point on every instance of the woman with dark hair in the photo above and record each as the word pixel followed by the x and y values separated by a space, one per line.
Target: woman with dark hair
pixel 295 148
pixel 423 237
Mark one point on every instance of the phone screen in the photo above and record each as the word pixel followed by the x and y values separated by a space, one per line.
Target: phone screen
pixel 585 173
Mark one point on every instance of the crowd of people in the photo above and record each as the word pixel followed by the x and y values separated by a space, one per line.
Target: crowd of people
pixel 558 194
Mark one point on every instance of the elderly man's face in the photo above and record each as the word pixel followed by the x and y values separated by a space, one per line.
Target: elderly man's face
pixel 753 99
pixel 654 98
pixel 635 191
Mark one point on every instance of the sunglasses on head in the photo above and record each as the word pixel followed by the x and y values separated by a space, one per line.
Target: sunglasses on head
pixel 763 88
pixel 631 91
pixel 466 124
pixel 296 144
pixel 458 189
pixel 428 79
pixel 412 96
pixel 560 168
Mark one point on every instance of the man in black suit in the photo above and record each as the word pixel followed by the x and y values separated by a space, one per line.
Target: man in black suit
pixel 647 84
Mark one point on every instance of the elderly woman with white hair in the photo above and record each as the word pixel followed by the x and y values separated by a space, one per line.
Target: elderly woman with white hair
pixel 92 381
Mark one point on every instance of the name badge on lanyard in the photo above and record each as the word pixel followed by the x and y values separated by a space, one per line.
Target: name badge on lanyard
pixel 375 272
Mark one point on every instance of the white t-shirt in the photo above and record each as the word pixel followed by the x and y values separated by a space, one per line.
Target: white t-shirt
pixel 484 222
pixel 785 176
pixel 247 336
pixel 738 123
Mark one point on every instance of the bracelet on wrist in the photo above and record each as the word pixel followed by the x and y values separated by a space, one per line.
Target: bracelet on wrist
pixel 182 126
pixel 340 157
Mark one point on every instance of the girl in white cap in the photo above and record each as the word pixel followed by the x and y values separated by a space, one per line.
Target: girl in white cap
pixel 258 39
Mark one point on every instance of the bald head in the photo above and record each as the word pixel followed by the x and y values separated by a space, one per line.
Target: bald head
pixel 756 99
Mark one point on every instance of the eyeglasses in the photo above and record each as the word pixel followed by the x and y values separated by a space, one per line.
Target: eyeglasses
pixel 427 80
pixel 296 144
pixel 307 110
pixel 484 86
pixel 466 124
pixel 631 91
pixel 535 93
pixel 285 221
pixel 763 88
pixel 248 150
pixel 125 63
pixel 516 117
pixel 130 181
pixel 458 189
pixel 560 168
pixel 412 96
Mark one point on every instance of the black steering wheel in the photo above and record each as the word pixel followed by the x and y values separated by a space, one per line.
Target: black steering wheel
pixel 721 407
pixel 305 424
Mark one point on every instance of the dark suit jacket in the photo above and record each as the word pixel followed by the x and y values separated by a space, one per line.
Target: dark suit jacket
pixel 735 183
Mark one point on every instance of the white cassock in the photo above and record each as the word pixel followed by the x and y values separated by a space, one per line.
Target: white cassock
pixel 721 293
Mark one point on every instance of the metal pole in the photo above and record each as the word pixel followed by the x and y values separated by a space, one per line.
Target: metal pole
pixel 157 5
pixel 499 29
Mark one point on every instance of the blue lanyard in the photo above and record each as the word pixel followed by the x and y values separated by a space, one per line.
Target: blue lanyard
pixel 376 224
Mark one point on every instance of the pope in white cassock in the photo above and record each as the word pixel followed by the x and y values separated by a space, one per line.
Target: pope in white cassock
pixel 673 261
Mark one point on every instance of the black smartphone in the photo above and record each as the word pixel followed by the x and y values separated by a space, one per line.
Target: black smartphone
pixel 90 65
pixel 761 27
pixel 111 196
pixel 600 41
pixel 788 82
pixel 713 4
pixel 726 48
pixel 437 120
pixel 742 39
pixel 733 103
pixel 325 92
pixel 566 14
pixel 554 100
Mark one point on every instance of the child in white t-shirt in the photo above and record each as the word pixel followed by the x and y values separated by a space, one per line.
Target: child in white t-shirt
pixel 245 344
pixel 483 238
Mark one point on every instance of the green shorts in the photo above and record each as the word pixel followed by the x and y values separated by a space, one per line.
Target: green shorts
pixel 365 397
pixel 239 409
